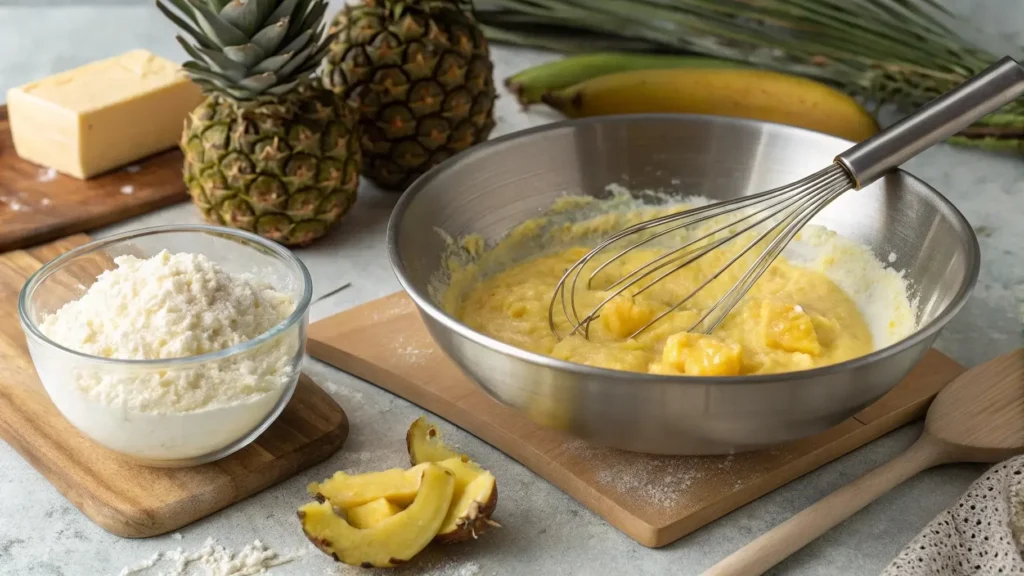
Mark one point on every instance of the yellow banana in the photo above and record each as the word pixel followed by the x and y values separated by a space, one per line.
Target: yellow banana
pixel 756 94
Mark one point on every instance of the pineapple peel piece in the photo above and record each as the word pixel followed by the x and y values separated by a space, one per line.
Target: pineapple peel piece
pixel 474 500
pixel 396 539
pixel 476 489
pixel 702 355
pixel 348 491
pixel 788 327
pixel 423 441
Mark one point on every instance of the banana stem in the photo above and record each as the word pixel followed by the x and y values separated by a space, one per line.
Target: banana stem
pixel 530 85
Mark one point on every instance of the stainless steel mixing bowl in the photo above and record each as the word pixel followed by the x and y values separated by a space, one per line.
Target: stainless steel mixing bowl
pixel 495 186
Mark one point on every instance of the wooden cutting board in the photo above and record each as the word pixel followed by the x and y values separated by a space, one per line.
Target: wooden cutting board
pixel 653 499
pixel 37 206
pixel 122 497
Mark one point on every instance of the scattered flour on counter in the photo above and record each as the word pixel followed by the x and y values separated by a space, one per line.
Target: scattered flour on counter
pixel 415 355
pixel 215 560
pixel 47 175
pixel 128 190
pixel 14 204
pixel 656 482
pixel 412 350
pixel 133 168
pixel 46 202
pixel 338 390
pixel 402 306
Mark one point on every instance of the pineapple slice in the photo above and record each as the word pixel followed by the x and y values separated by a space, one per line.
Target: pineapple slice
pixel 702 355
pixel 476 489
pixel 348 491
pixel 476 495
pixel 396 539
pixel 787 327
pixel 423 441
pixel 372 513
pixel 622 316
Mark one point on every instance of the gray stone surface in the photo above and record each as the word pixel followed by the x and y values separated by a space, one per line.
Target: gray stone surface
pixel 545 532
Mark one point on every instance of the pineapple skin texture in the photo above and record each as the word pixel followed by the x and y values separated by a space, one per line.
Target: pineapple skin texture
pixel 285 168
pixel 421 76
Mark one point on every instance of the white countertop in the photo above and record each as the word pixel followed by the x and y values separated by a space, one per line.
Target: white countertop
pixel 545 531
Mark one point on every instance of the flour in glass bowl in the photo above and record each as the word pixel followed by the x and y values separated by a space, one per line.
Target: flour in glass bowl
pixel 171 306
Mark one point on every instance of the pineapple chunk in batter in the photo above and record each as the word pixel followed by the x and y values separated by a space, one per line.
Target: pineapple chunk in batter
pixel 701 355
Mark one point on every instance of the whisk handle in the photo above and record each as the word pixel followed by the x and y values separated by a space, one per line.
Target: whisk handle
pixel 997 85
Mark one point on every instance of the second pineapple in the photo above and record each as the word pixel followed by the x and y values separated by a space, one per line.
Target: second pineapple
pixel 420 73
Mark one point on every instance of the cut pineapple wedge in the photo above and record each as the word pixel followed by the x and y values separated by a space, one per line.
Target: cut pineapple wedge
pixel 423 440
pixel 394 540
pixel 473 502
pixel 476 490
pixel 347 491
pixel 372 513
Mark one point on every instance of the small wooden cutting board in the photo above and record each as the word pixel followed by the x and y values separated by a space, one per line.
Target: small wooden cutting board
pixel 123 497
pixel 653 499
pixel 37 205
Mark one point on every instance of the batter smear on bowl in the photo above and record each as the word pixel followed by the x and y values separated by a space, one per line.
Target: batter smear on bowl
pixel 827 300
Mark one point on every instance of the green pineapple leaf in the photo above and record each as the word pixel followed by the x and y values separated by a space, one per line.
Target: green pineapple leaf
pixel 218 30
pixel 270 37
pixel 243 15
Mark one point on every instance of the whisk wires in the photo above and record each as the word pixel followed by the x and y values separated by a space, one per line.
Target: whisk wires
pixel 773 217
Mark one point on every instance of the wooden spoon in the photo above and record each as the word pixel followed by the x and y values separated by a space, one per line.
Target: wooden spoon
pixel 978 417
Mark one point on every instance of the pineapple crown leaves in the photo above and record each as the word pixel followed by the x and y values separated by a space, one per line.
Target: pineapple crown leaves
pixel 250 48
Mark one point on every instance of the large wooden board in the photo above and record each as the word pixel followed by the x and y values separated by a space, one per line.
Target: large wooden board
pixel 125 498
pixel 653 499
pixel 36 207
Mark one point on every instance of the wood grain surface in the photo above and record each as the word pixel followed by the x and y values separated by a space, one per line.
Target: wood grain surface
pixel 653 499
pixel 123 497
pixel 978 417
pixel 35 208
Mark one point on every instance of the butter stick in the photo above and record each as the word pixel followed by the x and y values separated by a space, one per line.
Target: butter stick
pixel 103 115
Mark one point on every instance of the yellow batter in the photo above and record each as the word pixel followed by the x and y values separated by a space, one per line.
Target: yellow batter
pixel 793 319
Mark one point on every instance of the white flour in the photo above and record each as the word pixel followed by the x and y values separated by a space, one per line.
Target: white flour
pixel 47 175
pixel 213 559
pixel 880 292
pixel 165 307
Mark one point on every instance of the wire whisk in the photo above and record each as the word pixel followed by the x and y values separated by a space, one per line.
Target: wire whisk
pixel 773 218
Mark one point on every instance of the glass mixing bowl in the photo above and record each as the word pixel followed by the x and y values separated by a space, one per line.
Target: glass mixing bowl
pixel 166 437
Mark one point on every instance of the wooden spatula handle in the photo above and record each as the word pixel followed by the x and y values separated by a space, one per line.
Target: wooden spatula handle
pixel 779 542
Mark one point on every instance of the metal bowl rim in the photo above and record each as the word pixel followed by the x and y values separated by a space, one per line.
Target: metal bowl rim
pixel 424 303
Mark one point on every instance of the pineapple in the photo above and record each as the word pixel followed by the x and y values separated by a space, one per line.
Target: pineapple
pixel 420 74
pixel 269 150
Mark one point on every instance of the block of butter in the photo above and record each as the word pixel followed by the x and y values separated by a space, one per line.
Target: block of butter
pixel 102 115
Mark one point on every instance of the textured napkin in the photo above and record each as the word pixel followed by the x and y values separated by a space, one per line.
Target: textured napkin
pixel 982 534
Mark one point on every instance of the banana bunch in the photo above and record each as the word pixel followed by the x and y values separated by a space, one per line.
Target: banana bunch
pixel 614 83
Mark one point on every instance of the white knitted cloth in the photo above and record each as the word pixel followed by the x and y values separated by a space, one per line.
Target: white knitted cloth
pixel 981 535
